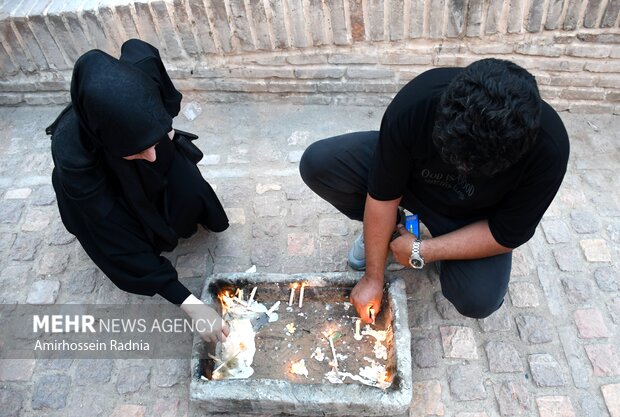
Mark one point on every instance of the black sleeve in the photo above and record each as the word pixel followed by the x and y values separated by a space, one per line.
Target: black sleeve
pixel 391 164
pixel 119 248
pixel 514 223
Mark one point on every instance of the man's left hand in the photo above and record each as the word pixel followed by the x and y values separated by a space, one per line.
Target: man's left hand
pixel 401 246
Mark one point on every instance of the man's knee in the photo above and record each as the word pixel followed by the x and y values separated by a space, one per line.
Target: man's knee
pixel 310 166
pixel 475 306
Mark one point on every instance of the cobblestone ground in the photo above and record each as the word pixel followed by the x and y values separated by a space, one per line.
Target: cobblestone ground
pixel 551 350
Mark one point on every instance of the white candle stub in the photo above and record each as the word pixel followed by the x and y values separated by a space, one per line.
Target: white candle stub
pixel 301 295
pixel 291 298
pixel 358 324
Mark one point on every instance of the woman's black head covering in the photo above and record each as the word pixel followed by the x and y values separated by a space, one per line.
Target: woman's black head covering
pixel 119 107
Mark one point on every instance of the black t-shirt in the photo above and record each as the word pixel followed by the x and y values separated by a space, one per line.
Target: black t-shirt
pixel 406 160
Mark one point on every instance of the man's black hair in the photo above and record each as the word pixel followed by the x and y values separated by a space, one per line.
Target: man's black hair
pixel 487 117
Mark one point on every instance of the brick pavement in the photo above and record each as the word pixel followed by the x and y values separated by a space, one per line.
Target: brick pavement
pixel 551 350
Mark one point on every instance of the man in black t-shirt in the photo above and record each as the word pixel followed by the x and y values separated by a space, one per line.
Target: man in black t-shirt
pixel 475 152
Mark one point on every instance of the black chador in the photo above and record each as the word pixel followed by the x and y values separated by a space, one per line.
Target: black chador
pixel 126 212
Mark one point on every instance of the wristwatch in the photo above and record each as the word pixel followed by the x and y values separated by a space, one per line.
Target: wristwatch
pixel 415 259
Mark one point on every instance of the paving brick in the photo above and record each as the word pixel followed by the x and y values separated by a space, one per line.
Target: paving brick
pixel 53 262
pixel 268 206
pixel 93 371
pixel 546 371
pixel 167 408
pixel 11 402
pixel 44 196
pixel 128 410
pixel 266 228
pixel 36 220
pixel 470 414
pixel 605 359
pixel 614 309
pixel 263 188
pixel 132 379
pixel 81 282
pixel 458 342
pixel 426 351
pixel 499 321
pixel 523 294
pixel 16 369
pixel 170 372
pixel 578 290
pixel 43 292
pixel 503 357
pixel 11 211
pixel 445 308
pixel 6 241
pixel 265 252
pixel 369 73
pixel 333 227
pixel 25 247
pixel 611 394
pixel 555 406
pixel 569 259
pixel 333 254
pixel 235 215
pixel 18 194
pixel 584 221
pixel 466 383
pixel 50 392
pixel 192 265
pixel 300 244
pixel 513 398
pixel 556 231
pixel 595 250
pixel 534 329
pixel 590 323
pixel 427 399
pixel 58 235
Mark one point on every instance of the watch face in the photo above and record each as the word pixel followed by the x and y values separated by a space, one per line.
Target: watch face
pixel 416 263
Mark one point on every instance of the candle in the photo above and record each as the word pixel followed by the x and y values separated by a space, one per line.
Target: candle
pixel 301 295
pixel 358 324
pixel 240 294
pixel 252 294
pixel 292 297
pixel 331 345
pixel 372 315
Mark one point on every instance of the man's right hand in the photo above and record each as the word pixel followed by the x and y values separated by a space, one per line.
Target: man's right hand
pixel 367 294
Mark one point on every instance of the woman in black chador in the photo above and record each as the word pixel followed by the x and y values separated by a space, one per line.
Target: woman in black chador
pixel 126 182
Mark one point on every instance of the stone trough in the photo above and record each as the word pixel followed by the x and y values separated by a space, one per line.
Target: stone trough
pixel 318 398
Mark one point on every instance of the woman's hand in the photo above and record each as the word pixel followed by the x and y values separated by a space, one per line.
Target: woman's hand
pixel 207 322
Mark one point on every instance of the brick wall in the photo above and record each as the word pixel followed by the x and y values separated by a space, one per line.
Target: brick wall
pixel 317 51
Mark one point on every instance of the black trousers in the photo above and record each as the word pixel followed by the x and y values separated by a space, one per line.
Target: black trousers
pixel 337 170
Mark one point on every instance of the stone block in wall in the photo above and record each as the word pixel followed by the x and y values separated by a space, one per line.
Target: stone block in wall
pixel 26 37
pixel 340 33
pixel 375 12
pixel 493 16
pixel 11 99
pixel 603 66
pixel 167 29
pixel 358 26
pixel 590 18
pixel 435 19
pixel 50 48
pixel 607 81
pixel 124 15
pixel 306 59
pixel 61 33
pixel 613 96
pixel 416 18
pixel 599 37
pixel 491 48
pixel 316 22
pixel 275 12
pixel 288 87
pixel 396 24
pixel 45 99
pixel 145 23
pixel 89 18
pixel 457 10
pixel 202 26
pixel 407 58
pixel 590 108
pixel 297 23
pixel 571 15
pixel 549 50
pixel 180 17
pixel 353 58
pixel 260 25
pixel 241 24
pixel 112 27
pixel 534 16
pixel 369 73
pixel 582 94
pixel 221 24
pixel 515 16
pixel 357 87
pixel 575 81
pixel 7 67
pixel 554 14
pixel 589 51
pixel 474 18
pixel 319 73
pixel 610 15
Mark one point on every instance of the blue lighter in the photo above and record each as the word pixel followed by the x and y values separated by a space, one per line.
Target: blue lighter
pixel 412 224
